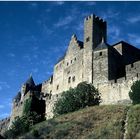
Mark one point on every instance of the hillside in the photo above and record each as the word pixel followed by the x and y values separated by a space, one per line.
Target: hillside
pixel 92 122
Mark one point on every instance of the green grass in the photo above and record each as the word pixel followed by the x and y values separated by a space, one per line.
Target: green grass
pixel 92 123
pixel 134 122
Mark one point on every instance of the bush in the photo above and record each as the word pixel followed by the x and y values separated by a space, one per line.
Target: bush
pixel 35 133
pixel 22 124
pixel 27 105
pixel 134 94
pixel 81 96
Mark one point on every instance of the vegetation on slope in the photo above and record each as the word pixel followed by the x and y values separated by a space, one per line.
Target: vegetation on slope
pixel 22 124
pixel 133 126
pixel 92 122
pixel 76 98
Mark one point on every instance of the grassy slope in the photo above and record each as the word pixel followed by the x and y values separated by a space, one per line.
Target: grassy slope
pixel 134 122
pixel 92 122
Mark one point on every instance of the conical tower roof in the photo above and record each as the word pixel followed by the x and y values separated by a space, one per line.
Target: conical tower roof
pixel 101 46
pixel 30 81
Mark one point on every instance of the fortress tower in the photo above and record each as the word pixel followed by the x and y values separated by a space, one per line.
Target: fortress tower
pixel 94 31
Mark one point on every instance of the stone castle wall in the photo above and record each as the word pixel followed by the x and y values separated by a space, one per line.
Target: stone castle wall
pixel 67 72
pixel 115 92
pixel 4 123
pixel 17 109
pixel 112 70
pixel 112 92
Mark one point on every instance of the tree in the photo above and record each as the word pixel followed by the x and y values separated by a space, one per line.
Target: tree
pixel 134 93
pixel 76 98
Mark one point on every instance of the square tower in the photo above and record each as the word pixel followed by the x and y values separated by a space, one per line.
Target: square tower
pixel 94 30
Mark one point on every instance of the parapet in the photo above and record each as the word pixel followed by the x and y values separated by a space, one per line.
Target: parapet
pixel 94 17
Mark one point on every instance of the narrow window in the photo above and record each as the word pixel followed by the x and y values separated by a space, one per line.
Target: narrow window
pixel 137 75
pixel 71 61
pixel 100 54
pixel 50 95
pixel 87 39
pixel 67 63
pixel 69 79
pixel 75 58
pixel 132 65
pixel 57 87
pixel 73 78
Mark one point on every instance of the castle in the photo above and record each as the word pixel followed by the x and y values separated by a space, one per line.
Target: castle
pixel 110 68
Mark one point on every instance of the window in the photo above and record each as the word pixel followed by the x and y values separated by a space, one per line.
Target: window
pixel 87 39
pixel 50 95
pixel 75 58
pixel 67 63
pixel 71 61
pixel 132 65
pixel 73 78
pixel 50 91
pixel 69 79
pixel 137 75
pixel 57 87
pixel 100 54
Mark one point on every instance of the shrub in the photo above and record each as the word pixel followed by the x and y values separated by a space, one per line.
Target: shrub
pixel 27 106
pixel 134 94
pixel 81 96
pixel 22 124
pixel 35 133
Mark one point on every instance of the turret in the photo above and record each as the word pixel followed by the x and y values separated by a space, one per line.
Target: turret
pixel 100 63
pixel 28 85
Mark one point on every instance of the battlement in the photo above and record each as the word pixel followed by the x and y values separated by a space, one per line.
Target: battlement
pixel 133 66
pixel 94 17
pixel 124 79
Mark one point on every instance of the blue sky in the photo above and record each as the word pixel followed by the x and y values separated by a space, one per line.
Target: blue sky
pixel 34 35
